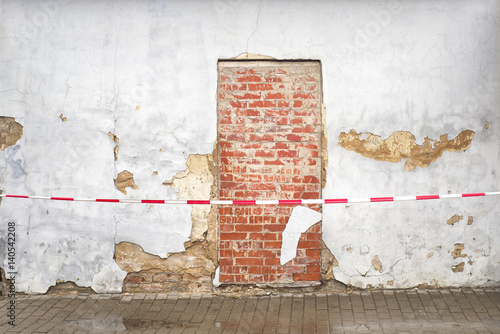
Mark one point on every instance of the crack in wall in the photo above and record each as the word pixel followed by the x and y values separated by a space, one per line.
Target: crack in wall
pixel 401 145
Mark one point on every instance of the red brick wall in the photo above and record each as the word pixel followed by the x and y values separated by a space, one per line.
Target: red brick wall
pixel 269 129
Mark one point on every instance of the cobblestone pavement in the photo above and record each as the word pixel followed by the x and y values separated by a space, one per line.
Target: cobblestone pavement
pixel 400 311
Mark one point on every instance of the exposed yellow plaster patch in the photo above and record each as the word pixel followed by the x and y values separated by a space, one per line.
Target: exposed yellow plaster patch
pixel 458 268
pixel 10 132
pixel 196 183
pixel 457 252
pixel 114 138
pixel 486 125
pixel 123 180
pixel 194 261
pixel 454 219
pixel 470 220
pixel 64 119
pixel 401 145
pixel 390 283
pixel 377 265
pixel 431 254
pixel 328 262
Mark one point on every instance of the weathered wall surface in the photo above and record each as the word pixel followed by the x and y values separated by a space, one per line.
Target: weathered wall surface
pixel 104 87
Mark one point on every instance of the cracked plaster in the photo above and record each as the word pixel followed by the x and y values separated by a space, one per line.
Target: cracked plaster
pixel 442 78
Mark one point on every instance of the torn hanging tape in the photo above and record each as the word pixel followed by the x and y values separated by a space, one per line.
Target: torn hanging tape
pixel 260 202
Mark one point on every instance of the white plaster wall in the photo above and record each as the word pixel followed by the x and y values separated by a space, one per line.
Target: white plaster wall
pixel 146 71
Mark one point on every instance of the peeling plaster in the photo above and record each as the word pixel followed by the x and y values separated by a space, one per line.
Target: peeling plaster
pixel 196 183
pixel 454 219
pixel 300 220
pixel 401 145
pixel 328 261
pixel 376 264
pixel 457 252
pixel 10 132
pixel 123 180
pixel 195 260
pixel 114 138
pixel 458 268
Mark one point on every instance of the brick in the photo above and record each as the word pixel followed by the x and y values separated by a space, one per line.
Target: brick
pixel 238 104
pixel 304 129
pixel 291 269
pixel 272 245
pixel 307 277
pixel 247 112
pixel 313 269
pixel 260 87
pixel 274 162
pixel 264 236
pixel 233 185
pixel 274 79
pixel 277 112
pixel 293 137
pixel 233 87
pixel 302 95
pixel 233 137
pixel 247 96
pixel 264 137
pixel 241 220
pixel 256 270
pixel 233 236
pixel 256 220
pixel 248 228
pixel 249 261
pixel 261 104
pixel 288 153
pixel 308 244
pixel 274 96
pixel 262 153
pixel 226 278
pixel 256 278
pixel 232 153
pixel 283 104
pixel 227 228
pixel 249 78
pixel 262 253
pixel 262 186
pixel 226 120
pixel 272 262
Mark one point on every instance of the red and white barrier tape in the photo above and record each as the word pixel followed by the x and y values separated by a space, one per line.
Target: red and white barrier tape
pixel 260 202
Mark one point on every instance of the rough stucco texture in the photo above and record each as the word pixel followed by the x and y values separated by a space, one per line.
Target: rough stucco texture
pixel 146 71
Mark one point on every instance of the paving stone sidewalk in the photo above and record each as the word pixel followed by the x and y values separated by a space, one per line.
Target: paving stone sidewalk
pixel 389 311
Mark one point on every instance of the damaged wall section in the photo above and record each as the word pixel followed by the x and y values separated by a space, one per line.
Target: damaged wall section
pixel 401 145
pixel 193 269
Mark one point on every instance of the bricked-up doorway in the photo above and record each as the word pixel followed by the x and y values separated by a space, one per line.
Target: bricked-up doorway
pixel 269 144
